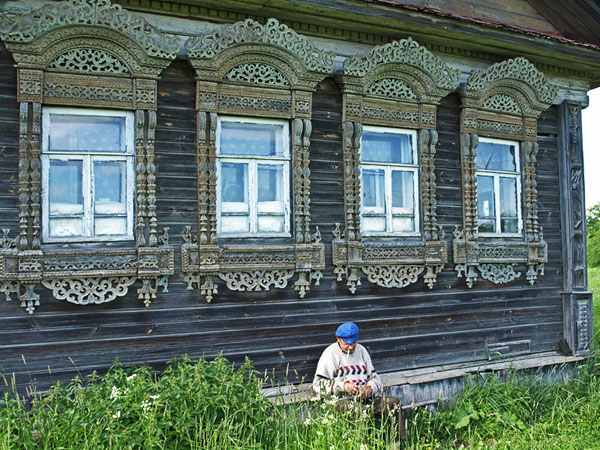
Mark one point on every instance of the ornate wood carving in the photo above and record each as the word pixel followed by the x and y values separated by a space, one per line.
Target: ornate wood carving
pixel 503 101
pixel 395 85
pixel 86 53
pixel 577 299
pixel 249 69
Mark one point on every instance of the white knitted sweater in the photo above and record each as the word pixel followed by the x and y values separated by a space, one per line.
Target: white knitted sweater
pixel 336 367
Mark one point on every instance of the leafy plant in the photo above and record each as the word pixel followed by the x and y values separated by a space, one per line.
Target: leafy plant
pixel 593 235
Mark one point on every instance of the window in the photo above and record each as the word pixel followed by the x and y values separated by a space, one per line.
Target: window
pixel 389 182
pixel 498 187
pixel 253 177
pixel 87 175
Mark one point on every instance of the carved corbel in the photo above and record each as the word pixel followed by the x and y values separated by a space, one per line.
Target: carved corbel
pixel 310 262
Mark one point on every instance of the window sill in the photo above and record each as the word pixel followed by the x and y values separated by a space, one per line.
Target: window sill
pixel 88 240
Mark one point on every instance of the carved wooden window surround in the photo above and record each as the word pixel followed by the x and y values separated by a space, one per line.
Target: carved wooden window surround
pixel 502 102
pixel 85 53
pixel 397 85
pixel 251 70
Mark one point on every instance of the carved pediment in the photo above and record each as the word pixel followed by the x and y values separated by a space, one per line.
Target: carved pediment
pixel 89 13
pixel 513 86
pixel 272 34
pixel 518 70
pixel 407 52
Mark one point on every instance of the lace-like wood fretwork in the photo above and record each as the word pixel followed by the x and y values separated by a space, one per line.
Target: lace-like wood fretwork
pixel 397 85
pixel 250 69
pixel 504 102
pixel 66 54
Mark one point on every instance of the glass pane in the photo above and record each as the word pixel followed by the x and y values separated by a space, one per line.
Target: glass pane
pixel 270 224
pixel 509 225
pixel 373 224
pixel 270 183
pixel 403 190
pixel 110 187
pixel 235 224
pixel 485 196
pixel 508 197
pixel 234 183
pixel 494 156
pixel 487 226
pixel 403 223
pixel 66 227
pixel 387 148
pixel 104 226
pixel 253 139
pixel 373 182
pixel 87 133
pixel 65 187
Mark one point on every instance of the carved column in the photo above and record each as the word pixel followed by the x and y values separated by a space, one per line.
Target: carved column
pixel 140 179
pixel 151 179
pixel 577 299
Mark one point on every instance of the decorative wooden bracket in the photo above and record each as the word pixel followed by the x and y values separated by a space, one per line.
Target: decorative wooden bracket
pixel 83 277
pixel 251 268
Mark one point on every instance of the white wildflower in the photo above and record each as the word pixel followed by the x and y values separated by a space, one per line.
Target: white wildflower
pixel 116 415
pixel 146 405
pixel 331 401
pixel 114 393
pixel 319 433
pixel 364 447
pixel 131 377
pixel 325 420
pixel 154 397
pixel 306 422
pixel 332 447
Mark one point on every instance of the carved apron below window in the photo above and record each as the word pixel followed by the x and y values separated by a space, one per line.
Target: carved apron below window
pixel 86 54
pixel 391 233
pixel 246 72
pixel 500 108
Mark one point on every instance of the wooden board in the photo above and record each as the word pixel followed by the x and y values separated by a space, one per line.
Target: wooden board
pixel 404 329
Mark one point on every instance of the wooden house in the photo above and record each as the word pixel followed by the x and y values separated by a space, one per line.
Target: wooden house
pixel 239 177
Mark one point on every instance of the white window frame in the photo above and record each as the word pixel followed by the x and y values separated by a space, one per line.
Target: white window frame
pixel 388 168
pixel 253 162
pixel 497 174
pixel 87 176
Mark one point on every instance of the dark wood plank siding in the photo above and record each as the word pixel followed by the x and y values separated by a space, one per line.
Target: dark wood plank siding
pixel 404 328
pixel 9 142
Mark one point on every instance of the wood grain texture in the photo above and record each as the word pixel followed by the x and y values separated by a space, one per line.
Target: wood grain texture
pixel 403 328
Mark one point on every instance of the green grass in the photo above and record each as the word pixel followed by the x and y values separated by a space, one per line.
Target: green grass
pixel 594 285
pixel 212 405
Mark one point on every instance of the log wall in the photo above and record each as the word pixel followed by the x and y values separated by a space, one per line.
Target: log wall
pixel 403 328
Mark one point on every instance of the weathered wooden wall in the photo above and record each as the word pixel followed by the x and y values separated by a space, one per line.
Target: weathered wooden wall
pixel 403 328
